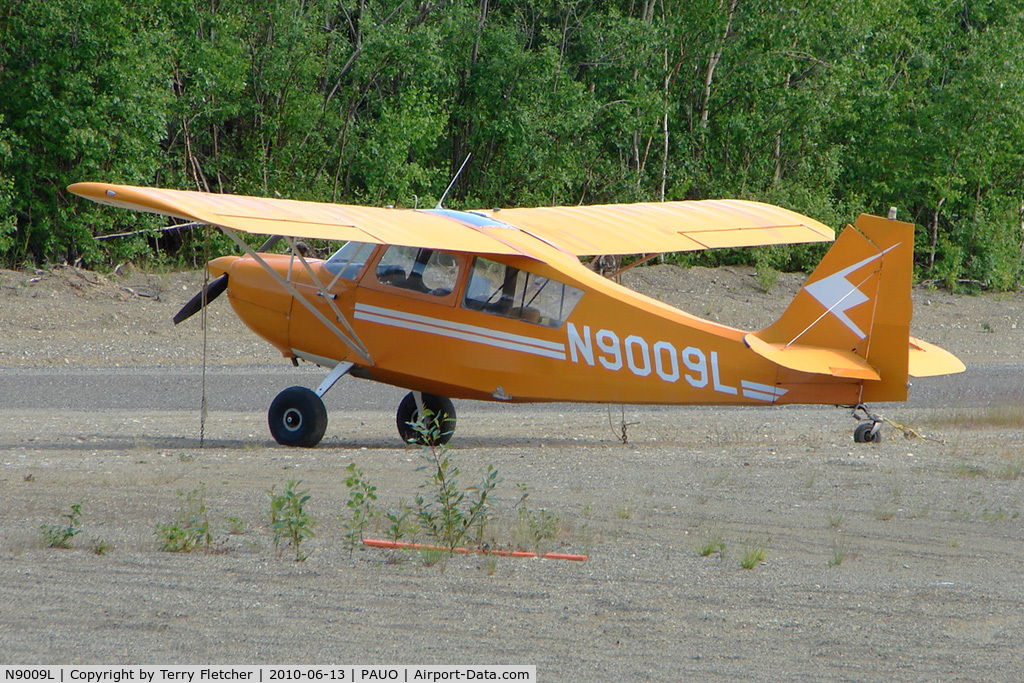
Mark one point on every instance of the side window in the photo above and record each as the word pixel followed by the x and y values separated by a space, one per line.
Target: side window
pixel 419 270
pixel 348 261
pixel 513 293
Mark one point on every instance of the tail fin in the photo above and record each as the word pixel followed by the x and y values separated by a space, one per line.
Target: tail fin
pixel 852 317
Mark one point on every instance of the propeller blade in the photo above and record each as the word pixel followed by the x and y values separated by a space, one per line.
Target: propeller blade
pixel 214 289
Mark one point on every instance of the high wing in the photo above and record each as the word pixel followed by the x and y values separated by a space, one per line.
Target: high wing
pixel 291 218
pixel 656 227
pixel 578 230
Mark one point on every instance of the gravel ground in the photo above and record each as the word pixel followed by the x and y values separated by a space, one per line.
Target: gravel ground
pixel 895 561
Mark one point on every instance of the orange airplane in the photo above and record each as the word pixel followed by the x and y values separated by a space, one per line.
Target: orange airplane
pixel 496 306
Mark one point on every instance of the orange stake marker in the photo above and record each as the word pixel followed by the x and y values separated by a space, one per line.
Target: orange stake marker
pixel 395 545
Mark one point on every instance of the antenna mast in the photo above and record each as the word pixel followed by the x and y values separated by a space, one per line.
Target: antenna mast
pixel 452 183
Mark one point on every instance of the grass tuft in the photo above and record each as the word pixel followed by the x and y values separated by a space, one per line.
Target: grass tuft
pixel 754 553
pixel 711 543
pixel 98 546
pixel 886 508
pixel 835 517
pixel 1010 470
pixel 840 550
pixel 967 471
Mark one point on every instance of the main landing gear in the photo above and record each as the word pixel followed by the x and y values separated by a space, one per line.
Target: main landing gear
pixel 436 430
pixel 870 428
pixel 298 417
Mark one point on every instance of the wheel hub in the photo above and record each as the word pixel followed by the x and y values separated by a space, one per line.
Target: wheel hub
pixel 292 419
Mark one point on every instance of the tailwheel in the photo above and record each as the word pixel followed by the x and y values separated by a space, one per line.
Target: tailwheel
pixel 297 417
pixel 434 431
pixel 870 428
pixel 868 432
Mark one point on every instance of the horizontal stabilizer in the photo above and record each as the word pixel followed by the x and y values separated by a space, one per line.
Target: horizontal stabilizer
pixel 928 360
pixel 813 359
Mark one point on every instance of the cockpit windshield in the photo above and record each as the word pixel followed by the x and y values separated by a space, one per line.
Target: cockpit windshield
pixel 348 261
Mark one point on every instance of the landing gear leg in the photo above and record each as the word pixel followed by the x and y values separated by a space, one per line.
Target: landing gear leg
pixel 298 417
pixel 339 371
pixel 870 428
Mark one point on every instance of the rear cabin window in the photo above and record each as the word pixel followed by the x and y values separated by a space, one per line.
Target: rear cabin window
pixel 427 271
pixel 507 291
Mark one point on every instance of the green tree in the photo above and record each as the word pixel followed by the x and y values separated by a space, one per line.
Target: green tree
pixel 83 98
pixel 828 108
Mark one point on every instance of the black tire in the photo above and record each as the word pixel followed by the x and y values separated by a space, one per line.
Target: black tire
pixel 862 434
pixel 441 425
pixel 297 417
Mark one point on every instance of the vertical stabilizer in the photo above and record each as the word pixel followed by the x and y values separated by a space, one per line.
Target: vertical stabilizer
pixel 858 300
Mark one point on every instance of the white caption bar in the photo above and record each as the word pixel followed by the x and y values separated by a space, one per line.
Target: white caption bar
pixel 268 674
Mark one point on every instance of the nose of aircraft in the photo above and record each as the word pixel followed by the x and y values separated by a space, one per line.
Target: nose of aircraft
pixel 218 269
pixel 220 266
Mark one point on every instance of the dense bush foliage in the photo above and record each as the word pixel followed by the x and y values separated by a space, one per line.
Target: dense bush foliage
pixel 828 108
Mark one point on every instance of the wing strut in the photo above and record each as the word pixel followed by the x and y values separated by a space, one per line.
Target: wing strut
pixel 329 298
pixel 352 342
pixel 634 264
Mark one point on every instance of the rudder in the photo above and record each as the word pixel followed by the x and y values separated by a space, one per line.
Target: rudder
pixel 858 302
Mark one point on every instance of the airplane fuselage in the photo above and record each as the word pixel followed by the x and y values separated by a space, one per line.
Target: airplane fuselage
pixel 615 346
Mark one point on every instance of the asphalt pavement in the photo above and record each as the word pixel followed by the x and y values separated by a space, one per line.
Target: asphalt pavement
pixel 252 388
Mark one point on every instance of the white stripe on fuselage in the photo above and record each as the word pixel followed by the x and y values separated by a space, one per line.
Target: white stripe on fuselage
pixel 693 359
pixel 470 333
pixel 762 392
